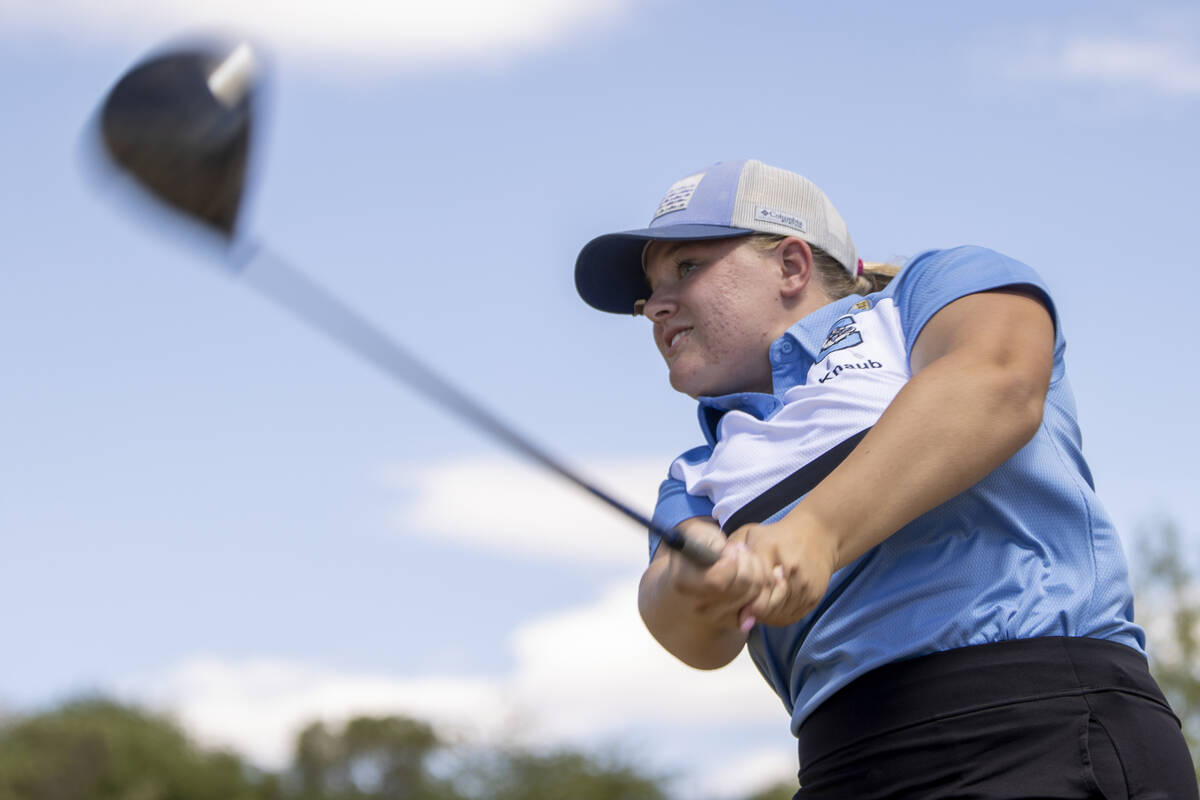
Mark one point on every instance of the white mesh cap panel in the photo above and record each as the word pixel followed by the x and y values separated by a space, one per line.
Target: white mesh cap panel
pixel 773 200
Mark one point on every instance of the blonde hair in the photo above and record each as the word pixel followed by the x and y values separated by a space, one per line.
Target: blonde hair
pixel 834 278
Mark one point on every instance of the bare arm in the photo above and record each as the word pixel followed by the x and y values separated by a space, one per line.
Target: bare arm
pixel 698 614
pixel 981 370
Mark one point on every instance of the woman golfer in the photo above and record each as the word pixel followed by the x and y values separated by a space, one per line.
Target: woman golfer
pixel 911 544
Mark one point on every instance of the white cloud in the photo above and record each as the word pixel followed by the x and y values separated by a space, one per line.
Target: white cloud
pixel 583 676
pixel 605 648
pixel 1167 66
pixel 748 772
pixel 1158 59
pixel 257 706
pixel 387 31
pixel 509 506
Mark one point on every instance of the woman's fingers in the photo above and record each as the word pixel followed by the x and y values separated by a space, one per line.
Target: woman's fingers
pixel 732 584
pixel 801 568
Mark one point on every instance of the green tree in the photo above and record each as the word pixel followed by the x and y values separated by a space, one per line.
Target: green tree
pixel 397 758
pixel 100 750
pixel 516 774
pixel 382 758
pixel 780 791
pixel 1169 608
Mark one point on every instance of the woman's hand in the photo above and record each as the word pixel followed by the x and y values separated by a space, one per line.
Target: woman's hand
pixel 720 594
pixel 701 614
pixel 802 556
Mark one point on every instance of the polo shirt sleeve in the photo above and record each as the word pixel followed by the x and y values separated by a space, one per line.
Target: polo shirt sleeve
pixel 935 279
pixel 675 504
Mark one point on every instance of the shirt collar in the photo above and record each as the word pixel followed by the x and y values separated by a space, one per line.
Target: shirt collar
pixel 790 355
pixel 712 409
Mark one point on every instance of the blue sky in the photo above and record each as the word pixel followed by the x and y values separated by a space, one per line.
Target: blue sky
pixel 209 508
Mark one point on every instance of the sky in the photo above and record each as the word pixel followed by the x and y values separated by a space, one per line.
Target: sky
pixel 209 509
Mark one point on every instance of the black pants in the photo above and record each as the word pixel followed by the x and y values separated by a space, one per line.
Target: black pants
pixel 1033 718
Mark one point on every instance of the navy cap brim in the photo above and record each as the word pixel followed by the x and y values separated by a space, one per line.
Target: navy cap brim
pixel 608 272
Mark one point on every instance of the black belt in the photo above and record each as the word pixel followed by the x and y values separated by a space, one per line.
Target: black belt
pixel 966 679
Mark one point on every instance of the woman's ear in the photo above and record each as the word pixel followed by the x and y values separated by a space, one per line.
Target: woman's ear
pixel 796 264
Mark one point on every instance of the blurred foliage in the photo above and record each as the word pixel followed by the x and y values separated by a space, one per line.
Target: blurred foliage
pixel 99 750
pixel 520 775
pixel 371 757
pixel 1169 609
pixel 780 791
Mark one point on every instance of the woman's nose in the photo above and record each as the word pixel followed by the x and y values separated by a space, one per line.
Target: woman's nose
pixel 660 306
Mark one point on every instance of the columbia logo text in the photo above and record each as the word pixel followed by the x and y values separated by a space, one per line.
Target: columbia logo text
pixel 771 215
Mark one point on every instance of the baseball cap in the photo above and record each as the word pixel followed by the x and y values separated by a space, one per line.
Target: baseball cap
pixel 730 198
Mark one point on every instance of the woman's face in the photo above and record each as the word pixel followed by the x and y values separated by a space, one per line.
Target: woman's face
pixel 716 307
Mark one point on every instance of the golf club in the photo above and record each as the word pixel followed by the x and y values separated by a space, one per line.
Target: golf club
pixel 179 125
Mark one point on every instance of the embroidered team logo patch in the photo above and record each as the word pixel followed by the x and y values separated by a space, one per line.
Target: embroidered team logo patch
pixel 844 334
pixel 679 195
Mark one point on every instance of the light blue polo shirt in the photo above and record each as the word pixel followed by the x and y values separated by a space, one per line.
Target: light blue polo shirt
pixel 1028 551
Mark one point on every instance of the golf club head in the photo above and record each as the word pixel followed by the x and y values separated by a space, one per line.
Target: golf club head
pixel 180 123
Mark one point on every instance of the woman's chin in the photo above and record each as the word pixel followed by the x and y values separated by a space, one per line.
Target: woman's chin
pixel 693 385
pixel 684 385
pixel 697 385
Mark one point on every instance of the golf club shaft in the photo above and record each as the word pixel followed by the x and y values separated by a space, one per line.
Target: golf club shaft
pixel 290 288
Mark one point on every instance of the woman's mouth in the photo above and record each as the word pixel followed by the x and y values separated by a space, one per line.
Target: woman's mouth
pixel 676 340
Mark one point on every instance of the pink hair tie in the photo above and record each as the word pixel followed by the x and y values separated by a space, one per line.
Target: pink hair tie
pixel 860 266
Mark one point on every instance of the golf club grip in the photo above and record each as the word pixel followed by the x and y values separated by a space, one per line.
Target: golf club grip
pixel 695 551
pixel 291 289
